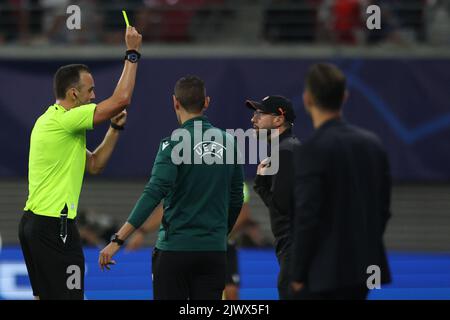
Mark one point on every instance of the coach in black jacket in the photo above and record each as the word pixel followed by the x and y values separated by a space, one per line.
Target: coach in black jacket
pixel 276 190
pixel 342 194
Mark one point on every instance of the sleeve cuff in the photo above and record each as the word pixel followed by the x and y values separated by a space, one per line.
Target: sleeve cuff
pixel 262 180
pixel 93 106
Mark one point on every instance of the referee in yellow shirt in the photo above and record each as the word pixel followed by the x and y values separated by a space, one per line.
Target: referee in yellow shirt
pixel 57 161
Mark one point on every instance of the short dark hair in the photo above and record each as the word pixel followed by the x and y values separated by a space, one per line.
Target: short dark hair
pixel 190 92
pixel 66 77
pixel 327 85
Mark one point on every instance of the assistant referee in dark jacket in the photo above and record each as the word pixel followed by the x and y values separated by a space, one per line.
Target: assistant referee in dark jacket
pixel 342 193
pixel 277 113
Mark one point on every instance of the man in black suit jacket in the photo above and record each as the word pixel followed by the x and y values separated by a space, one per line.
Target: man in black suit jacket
pixel 342 194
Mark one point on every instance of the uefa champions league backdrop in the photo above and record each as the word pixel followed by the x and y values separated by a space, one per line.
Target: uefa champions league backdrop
pixel 410 112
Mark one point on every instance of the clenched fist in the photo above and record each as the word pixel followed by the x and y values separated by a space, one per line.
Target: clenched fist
pixel 133 39
pixel 120 119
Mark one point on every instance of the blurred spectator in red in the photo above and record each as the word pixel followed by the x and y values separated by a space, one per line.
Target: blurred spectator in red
pixel 342 21
pixel 347 20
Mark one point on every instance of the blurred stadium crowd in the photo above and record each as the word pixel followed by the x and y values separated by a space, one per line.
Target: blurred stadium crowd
pixel 34 22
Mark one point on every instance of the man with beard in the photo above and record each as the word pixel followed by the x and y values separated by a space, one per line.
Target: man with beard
pixel 276 113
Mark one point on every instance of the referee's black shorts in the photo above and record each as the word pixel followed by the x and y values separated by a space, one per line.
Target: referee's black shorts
pixel 55 269
pixel 193 275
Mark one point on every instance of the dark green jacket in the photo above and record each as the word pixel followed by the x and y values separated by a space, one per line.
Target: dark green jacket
pixel 201 201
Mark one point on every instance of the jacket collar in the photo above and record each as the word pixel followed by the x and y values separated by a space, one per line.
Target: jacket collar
pixel 286 134
pixel 331 123
pixel 190 122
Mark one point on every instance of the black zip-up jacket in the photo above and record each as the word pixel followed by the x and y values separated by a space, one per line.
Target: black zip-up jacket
pixel 277 192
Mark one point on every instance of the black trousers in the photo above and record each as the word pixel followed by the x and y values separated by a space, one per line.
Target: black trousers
pixel 283 276
pixel 349 293
pixel 232 272
pixel 193 275
pixel 55 268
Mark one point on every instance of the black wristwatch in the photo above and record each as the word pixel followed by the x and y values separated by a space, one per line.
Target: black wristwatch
pixel 115 238
pixel 116 126
pixel 132 56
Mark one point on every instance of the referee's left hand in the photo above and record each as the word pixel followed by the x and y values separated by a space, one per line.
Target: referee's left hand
pixel 105 257
pixel 120 119
pixel 263 167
